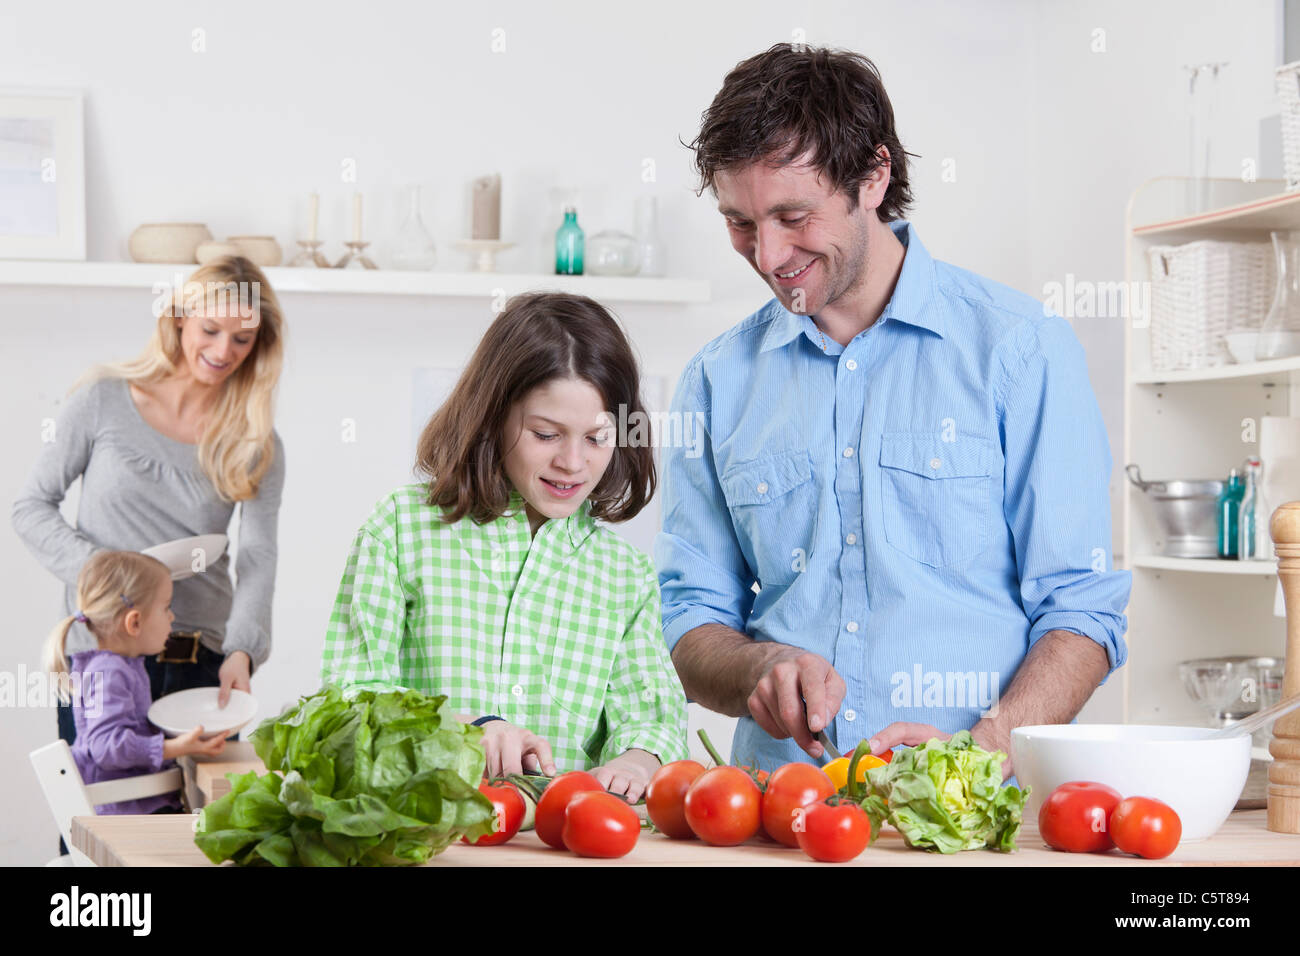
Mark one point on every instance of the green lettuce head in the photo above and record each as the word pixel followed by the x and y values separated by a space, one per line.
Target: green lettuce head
pixel 946 795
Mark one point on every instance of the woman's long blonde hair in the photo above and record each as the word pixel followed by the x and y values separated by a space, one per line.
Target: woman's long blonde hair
pixel 237 446
pixel 110 584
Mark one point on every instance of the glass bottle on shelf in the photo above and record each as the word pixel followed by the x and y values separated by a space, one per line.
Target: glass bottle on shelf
pixel 1280 334
pixel 1229 506
pixel 568 245
pixel 1246 537
pixel 647 237
pixel 414 248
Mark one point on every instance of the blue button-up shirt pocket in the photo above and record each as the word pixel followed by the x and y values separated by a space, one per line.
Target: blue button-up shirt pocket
pixel 773 505
pixel 937 497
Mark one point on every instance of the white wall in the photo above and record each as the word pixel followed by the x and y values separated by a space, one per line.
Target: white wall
pixel 1048 140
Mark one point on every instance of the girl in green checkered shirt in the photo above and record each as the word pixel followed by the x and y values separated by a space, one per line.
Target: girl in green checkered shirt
pixel 492 584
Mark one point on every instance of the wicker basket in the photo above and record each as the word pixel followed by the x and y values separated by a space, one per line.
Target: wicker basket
pixel 1288 97
pixel 1201 290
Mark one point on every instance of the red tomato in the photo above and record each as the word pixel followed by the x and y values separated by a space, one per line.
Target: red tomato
pixel 665 797
pixel 600 824
pixel 548 819
pixel 791 788
pixel 833 831
pixel 508 810
pixel 722 806
pixel 1075 818
pixel 1147 827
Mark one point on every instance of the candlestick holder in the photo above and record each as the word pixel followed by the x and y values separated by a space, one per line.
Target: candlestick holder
pixel 355 254
pixel 484 252
pixel 310 255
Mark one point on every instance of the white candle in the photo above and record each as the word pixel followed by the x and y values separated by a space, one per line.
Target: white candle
pixel 356 217
pixel 315 215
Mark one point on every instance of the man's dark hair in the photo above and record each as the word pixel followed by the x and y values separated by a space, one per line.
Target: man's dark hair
pixel 788 101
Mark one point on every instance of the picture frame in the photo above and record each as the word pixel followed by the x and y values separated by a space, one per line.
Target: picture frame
pixel 42 174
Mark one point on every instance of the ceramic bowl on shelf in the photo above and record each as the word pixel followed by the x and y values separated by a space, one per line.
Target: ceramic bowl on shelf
pixel 1241 346
pixel 168 242
pixel 260 250
pixel 216 249
pixel 1200 778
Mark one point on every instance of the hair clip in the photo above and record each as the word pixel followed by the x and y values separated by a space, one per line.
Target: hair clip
pixel 126 601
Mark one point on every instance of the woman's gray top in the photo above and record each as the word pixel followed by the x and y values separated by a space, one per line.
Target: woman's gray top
pixel 140 488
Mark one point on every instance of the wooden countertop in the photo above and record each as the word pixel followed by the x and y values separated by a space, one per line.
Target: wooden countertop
pixel 168 840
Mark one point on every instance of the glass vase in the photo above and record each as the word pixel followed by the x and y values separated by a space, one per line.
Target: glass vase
pixel 414 249
pixel 1280 334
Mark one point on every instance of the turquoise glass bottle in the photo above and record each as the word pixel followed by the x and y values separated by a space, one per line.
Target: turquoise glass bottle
pixel 1229 507
pixel 568 245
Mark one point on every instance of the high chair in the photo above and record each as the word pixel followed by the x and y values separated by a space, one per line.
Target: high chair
pixel 69 796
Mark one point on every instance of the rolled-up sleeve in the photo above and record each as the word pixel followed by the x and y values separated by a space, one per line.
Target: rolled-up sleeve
pixel 703 576
pixel 645 706
pixel 249 626
pixel 1057 499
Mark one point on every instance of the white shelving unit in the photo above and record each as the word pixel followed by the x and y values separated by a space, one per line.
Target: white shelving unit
pixel 1190 425
pixel 137 275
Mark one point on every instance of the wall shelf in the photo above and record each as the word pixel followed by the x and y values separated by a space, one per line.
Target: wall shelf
pixel 138 275
pixel 1279 369
pixel 1257 214
pixel 1204 565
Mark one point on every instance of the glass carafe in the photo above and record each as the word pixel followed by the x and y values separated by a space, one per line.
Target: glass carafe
pixel 1280 334
pixel 414 248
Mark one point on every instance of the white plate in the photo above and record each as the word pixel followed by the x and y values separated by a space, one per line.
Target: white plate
pixel 179 555
pixel 181 712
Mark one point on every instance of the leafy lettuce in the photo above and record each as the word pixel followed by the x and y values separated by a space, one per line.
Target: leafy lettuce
pixel 370 780
pixel 946 795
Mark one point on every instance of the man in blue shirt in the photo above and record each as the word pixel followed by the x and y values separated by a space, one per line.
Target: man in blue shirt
pixel 899 524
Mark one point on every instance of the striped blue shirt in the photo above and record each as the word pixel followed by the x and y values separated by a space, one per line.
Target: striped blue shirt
pixel 918 507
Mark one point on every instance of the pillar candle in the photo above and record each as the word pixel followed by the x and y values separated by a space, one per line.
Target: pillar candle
pixel 315 215
pixel 486 208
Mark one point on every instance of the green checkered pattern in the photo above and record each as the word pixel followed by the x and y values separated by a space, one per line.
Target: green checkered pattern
pixel 559 633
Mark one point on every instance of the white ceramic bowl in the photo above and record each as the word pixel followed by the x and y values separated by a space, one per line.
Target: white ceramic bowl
pixel 1201 779
pixel 181 712
pixel 1241 345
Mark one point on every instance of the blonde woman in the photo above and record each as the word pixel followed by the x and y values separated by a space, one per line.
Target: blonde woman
pixel 166 446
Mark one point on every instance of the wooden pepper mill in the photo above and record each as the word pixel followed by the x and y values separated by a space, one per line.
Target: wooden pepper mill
pixel 1284 772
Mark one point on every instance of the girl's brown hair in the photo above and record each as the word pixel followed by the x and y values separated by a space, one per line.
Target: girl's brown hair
pixel 110 584
pixel 791 100
pixel 539 337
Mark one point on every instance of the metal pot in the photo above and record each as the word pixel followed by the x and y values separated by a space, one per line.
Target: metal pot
pixel 1187 512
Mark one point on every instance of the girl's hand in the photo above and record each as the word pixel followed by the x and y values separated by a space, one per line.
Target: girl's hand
pixel 629 773
pixel 191 743
pixel 512 749
pixel 234 673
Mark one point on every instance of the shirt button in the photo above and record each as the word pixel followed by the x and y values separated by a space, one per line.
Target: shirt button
pixel 851 539
pixel 851 627
pixel 517 690
pixel 935 462
pixel 762 488
pixel 848 452
pixel 850 715
pixel 850 365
